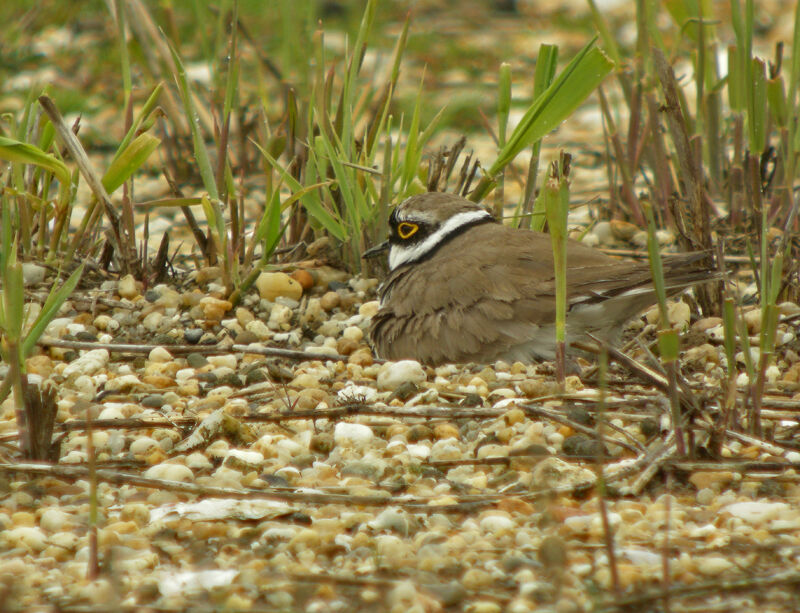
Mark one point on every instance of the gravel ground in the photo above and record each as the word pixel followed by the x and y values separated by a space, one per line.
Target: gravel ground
pixel 229 479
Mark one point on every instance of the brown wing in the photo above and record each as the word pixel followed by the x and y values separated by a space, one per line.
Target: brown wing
pixel 466 304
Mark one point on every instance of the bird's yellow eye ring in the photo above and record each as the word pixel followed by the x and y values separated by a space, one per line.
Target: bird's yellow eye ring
pixel 406 230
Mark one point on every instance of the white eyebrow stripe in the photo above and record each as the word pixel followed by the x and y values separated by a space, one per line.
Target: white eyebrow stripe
pixel 399 255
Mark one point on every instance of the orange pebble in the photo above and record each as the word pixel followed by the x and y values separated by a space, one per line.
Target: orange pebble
pixel 303 277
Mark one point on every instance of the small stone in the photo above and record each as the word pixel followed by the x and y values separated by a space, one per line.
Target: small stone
pixel 405 391
pixel 369 309
pixel 55 520
pixel 208 274
pixel 445 431
pixel 170 472
pixel 419 432
pixel 143 445
pixel 273 284
pixel 31 538
pixel 361 357
pixel 40 365
pixel 756 511
pixel 514 416
pixel 623 230
pixel 329 301
pixel 214 309
pixel 715 565
pixel 497 524
pixel 321 443
pixel 196 360
pixel 714 480
pixel 353 333
pixel 161 355
pixel 449 594
pixel 153 401
pixel 552 553
pixel 193 335
pixel 365 470
pixel 32 273
pixel 280 317
pixel 392 520
pixel 303 277
pixel 679 314
pixel 346 434
pixel 168 297
pixel 602 230
pixel 126 287
pixel 152 321
pixel 477 579
pixel 88 364
pixel 393 374
pixel 246 337
pixel 346 346
pixel 106 323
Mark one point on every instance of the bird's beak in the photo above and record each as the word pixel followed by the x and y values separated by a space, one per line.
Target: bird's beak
pixel 376 250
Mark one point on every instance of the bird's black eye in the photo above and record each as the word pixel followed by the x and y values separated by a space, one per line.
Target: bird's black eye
pixel 406 230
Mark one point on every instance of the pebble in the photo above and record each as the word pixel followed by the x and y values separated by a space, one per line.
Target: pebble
pixel 193 335
pixel 33 273
pixel 347 434
pixel 87 364
pixel 170 472
pixel 270 285
pixel 214 309
pixel 394 374
pixel 55 520
pixel 329 301
pixel 127 288
pixel 369 309
pixel 714 565
pixel 756 512
pixel 304 278
pixel 31 538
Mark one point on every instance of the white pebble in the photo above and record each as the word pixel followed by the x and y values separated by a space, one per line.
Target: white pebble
pixel 223 361
pixel 260 329
pixel 773 373
pixel 142 445
pixel 112 412
pixel 161 355
pixel 152 321
pixel 353 333
pixel 198 461
pixel 353 393
pixel 29 537
pixel 714 566
pixel 419 451
pixel 32 273
pixel 88 364
pixel 54 520
pixel 279 316
pixel 345 434
pixel 394 374
pixel 497 524
pixel 756 512
pixel 170 472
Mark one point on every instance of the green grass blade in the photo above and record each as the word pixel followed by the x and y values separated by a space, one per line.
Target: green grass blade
pixel 313 205
pixel 23 153
pixel 129 161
